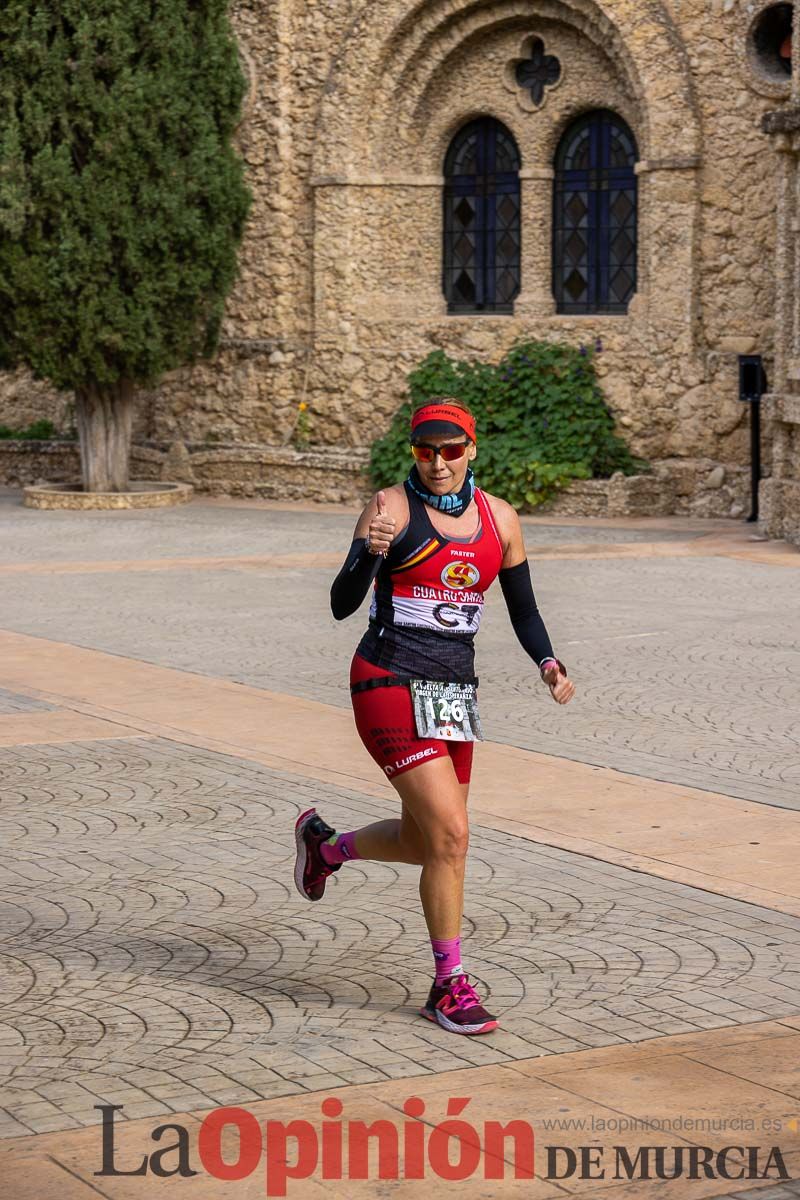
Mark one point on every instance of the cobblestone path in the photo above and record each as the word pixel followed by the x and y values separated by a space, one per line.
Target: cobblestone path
pixel 155 952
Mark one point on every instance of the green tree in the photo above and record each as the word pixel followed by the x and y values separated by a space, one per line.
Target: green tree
pixel 122 200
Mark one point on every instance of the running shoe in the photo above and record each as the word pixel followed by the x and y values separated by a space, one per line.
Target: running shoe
pixel 310 868
pixel 455 1005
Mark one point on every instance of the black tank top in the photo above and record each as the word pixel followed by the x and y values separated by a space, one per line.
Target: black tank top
pixel 428 598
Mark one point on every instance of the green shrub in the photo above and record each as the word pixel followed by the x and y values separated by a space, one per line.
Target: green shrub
pixel 541 415
pixel 38 431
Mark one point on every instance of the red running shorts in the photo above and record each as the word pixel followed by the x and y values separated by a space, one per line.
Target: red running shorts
pixel 385 723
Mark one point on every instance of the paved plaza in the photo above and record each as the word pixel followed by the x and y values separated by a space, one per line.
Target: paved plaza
pixel 688 664
pixel 173 693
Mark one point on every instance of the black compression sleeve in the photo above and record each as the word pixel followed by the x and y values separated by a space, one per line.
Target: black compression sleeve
pixel 525 616
pixel 352 583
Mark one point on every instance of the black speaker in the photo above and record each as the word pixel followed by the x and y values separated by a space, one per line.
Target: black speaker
pixel 752 377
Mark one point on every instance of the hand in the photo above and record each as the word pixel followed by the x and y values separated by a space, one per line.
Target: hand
pixel 381 529
pixel 562 689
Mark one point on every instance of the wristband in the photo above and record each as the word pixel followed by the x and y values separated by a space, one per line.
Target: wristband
pixel 546 663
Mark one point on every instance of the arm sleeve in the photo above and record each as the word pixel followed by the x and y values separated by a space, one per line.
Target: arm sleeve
pixel 525 616
pixel 352 583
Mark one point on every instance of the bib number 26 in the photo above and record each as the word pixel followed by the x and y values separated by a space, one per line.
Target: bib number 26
pixel 450 710
pixel 446 710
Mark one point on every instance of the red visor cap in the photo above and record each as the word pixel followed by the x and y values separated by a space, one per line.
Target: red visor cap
pixel 443 419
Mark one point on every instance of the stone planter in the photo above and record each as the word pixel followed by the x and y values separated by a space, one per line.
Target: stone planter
pixel 143 494
pixel 692 487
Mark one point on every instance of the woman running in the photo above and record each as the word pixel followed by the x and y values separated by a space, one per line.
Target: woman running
pixel 435 543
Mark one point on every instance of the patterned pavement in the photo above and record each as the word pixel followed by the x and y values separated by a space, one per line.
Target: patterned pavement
pixel 782 1191
pixel 155 954
pixel 238 528
pixel 687 668
pixel 12 702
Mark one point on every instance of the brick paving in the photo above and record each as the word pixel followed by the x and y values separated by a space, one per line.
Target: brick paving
pixel 687 668
pixel 12 702
pixel 28 535
pixel 155 953
pixel 789 1190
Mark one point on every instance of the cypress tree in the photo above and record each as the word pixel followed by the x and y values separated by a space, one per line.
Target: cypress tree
pixel 122 200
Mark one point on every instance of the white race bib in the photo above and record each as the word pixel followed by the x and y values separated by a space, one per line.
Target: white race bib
pixel 448 711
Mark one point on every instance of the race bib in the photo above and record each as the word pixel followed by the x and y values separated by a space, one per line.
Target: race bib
pixel 446 710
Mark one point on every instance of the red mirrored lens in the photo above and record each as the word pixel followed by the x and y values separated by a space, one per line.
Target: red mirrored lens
pixel 449 453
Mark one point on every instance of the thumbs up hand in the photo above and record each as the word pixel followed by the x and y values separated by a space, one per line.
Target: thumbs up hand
pixel 381 528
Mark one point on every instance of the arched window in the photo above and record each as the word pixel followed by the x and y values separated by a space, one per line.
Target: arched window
pixel 594 216
pixel 481 219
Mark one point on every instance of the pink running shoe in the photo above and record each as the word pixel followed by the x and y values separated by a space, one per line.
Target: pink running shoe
pixel 455 1005
pixel 310 868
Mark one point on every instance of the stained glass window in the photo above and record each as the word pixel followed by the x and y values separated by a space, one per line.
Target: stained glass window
pixel 481 271
pixel 594 216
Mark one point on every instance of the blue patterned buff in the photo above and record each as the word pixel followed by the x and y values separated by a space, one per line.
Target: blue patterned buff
pixel 452 503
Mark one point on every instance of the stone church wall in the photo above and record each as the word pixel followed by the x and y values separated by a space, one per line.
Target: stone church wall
pixel 349 114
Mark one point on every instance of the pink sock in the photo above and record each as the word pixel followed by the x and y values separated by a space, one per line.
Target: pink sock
pixel 340 849
pixel 447 956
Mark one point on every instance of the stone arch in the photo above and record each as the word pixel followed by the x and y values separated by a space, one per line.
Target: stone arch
pixel 433 58
pixel 385 66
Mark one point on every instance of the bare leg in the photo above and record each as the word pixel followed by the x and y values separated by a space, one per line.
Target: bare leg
pixel 432 833
pixel 391 840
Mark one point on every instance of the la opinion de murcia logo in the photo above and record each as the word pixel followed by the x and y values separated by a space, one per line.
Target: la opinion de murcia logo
pixel 453 1149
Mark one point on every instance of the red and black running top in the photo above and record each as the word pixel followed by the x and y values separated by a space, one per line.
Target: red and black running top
pixel 428 597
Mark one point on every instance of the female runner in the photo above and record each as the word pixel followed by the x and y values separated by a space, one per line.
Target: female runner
pixel 433 545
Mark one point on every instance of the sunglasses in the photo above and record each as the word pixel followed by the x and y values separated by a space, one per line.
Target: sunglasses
pixel 424 452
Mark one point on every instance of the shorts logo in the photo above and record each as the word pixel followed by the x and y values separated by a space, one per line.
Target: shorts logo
pixel 460 575
pixel 410 758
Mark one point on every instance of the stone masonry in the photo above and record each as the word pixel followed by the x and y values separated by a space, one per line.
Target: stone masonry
pixel 350 111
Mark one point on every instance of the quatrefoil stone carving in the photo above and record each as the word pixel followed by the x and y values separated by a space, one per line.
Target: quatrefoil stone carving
pixel 537 73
